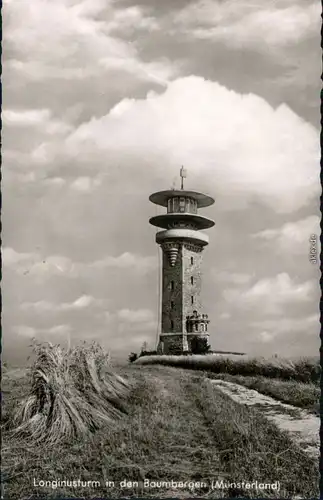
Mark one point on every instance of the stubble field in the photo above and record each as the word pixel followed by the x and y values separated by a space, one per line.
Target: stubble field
pixel 175 427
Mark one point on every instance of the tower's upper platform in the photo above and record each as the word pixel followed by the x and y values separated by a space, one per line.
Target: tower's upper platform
pixel 174 220
pixel 165 199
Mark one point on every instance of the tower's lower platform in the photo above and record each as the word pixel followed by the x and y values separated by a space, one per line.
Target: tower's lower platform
pixel 177 343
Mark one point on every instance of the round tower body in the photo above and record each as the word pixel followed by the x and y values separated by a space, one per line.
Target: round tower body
pixel 182 241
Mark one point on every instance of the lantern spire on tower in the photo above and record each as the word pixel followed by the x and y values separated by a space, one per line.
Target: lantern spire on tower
pixel 183 175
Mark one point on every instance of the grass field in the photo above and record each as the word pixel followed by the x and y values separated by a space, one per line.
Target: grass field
pixel 295 382
pixel 301 395
pixel 306 370
pixel 176 427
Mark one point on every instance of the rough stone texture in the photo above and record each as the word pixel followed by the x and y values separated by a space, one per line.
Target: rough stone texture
pixel 172 274
pixel 180 295
pixel 191 270
pixel 172 344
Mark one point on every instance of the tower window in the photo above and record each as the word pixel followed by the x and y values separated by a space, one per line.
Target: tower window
pixel 172 285
pixel 182 204
pixel 172 305
pixel 192 261
pixel 171 324
pixel 175 204
pixel 192 299
pixel 192 280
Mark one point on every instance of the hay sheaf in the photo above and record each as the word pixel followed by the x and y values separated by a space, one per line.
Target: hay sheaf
pixel 72 394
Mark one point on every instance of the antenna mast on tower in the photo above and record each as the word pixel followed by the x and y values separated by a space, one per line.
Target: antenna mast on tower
pixel 183 174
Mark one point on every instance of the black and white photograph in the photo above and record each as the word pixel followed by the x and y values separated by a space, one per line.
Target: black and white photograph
pixel 161 249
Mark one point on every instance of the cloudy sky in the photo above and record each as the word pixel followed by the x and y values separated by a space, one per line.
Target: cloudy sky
pixel 103 101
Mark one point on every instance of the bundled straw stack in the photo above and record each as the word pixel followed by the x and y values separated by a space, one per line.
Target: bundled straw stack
pixel 72 394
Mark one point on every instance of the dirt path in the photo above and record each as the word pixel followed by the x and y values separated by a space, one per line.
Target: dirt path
pixel 302 426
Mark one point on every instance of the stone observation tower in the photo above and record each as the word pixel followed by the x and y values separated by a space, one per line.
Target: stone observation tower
pixel 182 244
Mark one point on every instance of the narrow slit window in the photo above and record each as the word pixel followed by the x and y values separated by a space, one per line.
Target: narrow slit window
pixel 192 280
pixel 172 305
pixel 172 285
pixel 192 299
pixel 171 324
pixel 192 261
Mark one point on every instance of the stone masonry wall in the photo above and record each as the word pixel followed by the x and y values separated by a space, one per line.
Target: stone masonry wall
pixel 173 344
pixel 191 290
pixel 181 295
pixel 175 274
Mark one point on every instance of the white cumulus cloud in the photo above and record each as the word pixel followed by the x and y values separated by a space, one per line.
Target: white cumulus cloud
pixel 292 237
pixel 249 24
pixel 135 316
pixel 271 294
pixel 36 265
pixel 235 144
pixel 82 302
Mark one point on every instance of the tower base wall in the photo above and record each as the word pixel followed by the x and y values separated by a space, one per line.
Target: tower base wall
pixel 172 344
pixel 177 344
